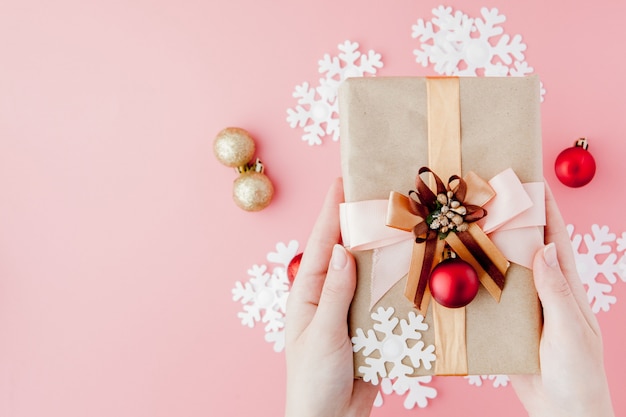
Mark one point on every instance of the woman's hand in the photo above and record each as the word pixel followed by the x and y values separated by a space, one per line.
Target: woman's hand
pixel 320 376
pixel 572 382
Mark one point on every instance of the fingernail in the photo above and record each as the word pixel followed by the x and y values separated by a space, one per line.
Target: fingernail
pixel 549 255
pixel 339 259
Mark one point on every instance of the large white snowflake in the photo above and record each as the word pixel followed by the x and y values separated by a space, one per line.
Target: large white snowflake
pixel 392 347
pixel 457 44
pixel 264 295
pixel 317 111
pixel 598 265
pixel 460 45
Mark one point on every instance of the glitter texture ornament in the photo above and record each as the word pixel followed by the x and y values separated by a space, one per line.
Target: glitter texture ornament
pixel 234 147
pixel 252 190
pixel 575 166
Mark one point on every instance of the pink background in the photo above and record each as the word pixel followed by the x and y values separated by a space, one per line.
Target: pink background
pixel 119 241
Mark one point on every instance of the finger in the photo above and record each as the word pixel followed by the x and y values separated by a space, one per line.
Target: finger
pixel 554 291
pixel 556 232
pixel 560 307
pixel 337 293
pixel 307 287
pixel 325 233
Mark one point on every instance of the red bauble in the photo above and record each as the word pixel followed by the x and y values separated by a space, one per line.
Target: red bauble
pixel 454 283
pixel 575 166
pixel 292 268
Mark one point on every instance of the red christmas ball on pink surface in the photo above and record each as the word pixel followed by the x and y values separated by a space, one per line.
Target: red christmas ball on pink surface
pixel 575 166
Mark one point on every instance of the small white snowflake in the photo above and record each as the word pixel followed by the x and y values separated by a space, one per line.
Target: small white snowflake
pixel 498 380
pixel 392 348
pixel 457 44
pixel 317 111
pixel 264 295
pixel 598 265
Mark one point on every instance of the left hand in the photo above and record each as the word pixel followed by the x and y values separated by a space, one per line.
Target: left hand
pixel 320 374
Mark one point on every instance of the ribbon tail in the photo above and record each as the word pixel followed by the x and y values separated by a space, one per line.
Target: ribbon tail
pixel 476 248
pixel 425 255
pixel 389 265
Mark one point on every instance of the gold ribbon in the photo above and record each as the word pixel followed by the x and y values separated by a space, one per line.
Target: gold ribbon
pixel 444 157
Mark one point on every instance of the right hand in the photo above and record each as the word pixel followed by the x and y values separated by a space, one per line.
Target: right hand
pixel 572 382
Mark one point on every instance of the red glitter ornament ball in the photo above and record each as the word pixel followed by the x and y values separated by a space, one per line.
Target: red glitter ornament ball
pixel 575 166
pixel 453 283
pixel 292 268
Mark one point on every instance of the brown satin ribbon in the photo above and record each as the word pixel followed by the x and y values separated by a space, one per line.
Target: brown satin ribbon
pixel 444 157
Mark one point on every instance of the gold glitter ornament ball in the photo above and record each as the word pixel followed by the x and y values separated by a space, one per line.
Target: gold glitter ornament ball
pixel 252 191
pixel 233 147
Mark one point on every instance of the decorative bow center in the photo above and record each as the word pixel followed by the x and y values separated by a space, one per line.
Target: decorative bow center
pixel 449 215
pixel 446 213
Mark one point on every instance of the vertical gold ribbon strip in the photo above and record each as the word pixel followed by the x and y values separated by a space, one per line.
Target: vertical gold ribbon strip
pixel 444 157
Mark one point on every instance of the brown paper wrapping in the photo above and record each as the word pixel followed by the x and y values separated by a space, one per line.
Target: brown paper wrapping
pixel 384 141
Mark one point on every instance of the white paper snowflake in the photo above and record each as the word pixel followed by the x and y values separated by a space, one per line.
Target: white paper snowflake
pixel 392 347
pixel 417 393
pixel 497 380
pixel 264 295
pixel 460 45
pixel 284 253
pixel 457 44
pixel 316 111
pixel 598 265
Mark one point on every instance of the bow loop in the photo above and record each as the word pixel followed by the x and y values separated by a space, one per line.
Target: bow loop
pixel 459 189
pixel 474 213
pixel 417 208
pixel 424 194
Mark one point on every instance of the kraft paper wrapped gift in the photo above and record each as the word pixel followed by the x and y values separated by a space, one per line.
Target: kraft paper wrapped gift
pixel 386 126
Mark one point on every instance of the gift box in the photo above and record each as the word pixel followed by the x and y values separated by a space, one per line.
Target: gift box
pixel 487 131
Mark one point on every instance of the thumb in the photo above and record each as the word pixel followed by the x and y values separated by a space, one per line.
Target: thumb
pixel 338 290
pixel 555 293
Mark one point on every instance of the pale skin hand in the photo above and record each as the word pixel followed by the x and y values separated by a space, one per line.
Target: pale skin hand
pixel 572 382
pixel 320 379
